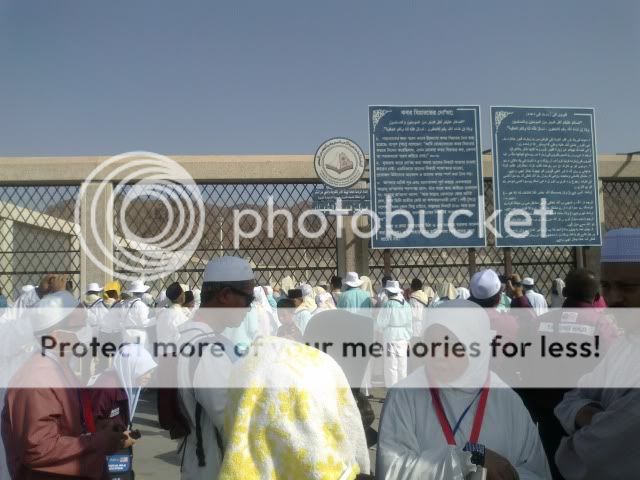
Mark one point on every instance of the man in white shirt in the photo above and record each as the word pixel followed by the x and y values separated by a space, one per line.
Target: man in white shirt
pixel 227 294
pixel 536 300
pixel 134 314
pixel 170 319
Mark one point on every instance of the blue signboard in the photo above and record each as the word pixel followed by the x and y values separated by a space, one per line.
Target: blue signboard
pixel 426 176
pixel 545 177
pixel 351 200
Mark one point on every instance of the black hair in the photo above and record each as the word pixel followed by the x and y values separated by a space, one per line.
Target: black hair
pixel 581 284
pixel 211 289
pixel 174 291
pixel 336 282
pixel 490 302
pixel 416 284
pixel 188 297
pixel 294 293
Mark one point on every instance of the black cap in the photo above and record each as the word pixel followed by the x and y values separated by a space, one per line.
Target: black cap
pixel 294 293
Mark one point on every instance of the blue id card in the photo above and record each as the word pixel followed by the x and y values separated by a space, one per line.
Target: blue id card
pixel 119 463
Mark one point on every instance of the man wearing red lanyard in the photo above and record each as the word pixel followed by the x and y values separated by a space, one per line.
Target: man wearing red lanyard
pixel 43 427
pixel 453 418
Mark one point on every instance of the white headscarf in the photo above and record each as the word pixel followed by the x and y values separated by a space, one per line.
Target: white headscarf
pixel 447 290
pixel 463 293
pixel 287 283
pixel 196 298
pixel 261 298
pixel 470 323
pixel 130 363
pixel 325 301
pixel 367 286
pixel 161 300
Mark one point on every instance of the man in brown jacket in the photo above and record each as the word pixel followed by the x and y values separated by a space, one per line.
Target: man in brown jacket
pixel 43 427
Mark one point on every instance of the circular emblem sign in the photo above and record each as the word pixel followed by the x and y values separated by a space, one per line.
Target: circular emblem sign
pixel 339 162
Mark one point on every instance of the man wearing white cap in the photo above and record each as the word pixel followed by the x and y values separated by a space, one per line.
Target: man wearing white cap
pixel 604 423
pixel 96 309
pixel 354 298
pixel 395 323
pixel 134 314
pixel 226 297
pixel 536 300
pixel 43 428
pixel 486 291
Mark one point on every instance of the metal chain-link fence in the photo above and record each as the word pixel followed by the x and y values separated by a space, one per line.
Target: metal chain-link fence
pixel 37 236
pixel 621 203
pixel 273 258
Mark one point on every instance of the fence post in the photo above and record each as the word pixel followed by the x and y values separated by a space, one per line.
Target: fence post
pixel 472 262
pixel 356 249
pixel 89 270
pixel 7 261
pixel 386 258
pixel 508 267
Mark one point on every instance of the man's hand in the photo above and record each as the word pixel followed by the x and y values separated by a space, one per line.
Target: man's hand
pixel 57 283
pixel 498 467
pixel 586 413
pixel 127 441
pixel 115 440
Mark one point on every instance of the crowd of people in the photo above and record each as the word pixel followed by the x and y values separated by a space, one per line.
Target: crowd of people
pixel 443 418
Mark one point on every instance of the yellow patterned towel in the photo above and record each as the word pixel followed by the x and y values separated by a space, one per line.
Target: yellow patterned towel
pixel 310 429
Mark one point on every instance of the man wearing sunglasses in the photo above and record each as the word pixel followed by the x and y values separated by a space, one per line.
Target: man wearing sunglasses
pixel 227 294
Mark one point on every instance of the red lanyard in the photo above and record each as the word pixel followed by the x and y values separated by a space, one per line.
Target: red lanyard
pixel 87 411
pixel 477 420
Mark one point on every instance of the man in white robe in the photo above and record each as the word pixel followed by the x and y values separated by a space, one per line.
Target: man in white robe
pixel 537 301
pixel 604 423
pixel 412 444
pixel 227 293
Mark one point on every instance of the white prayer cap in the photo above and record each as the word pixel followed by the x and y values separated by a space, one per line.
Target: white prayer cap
pixel 137 286
pixel 51 310
pixel 620 246
pixel 393 286
pixel 27 288
pixel 94 287
pixel 307 291
pixel 528 281
pixel 485 284
pixel 352 280
pixel 228 269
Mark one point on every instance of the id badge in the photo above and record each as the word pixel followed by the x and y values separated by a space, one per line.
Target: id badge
pixel 119 463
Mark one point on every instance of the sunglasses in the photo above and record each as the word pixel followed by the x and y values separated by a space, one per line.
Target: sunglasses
pixel 248 297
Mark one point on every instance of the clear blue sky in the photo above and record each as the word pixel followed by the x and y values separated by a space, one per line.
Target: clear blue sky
pixel 272 76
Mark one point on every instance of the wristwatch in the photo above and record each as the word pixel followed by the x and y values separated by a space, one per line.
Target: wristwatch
pixel 477 451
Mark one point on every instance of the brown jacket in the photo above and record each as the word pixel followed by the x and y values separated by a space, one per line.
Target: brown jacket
pixel 42 426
